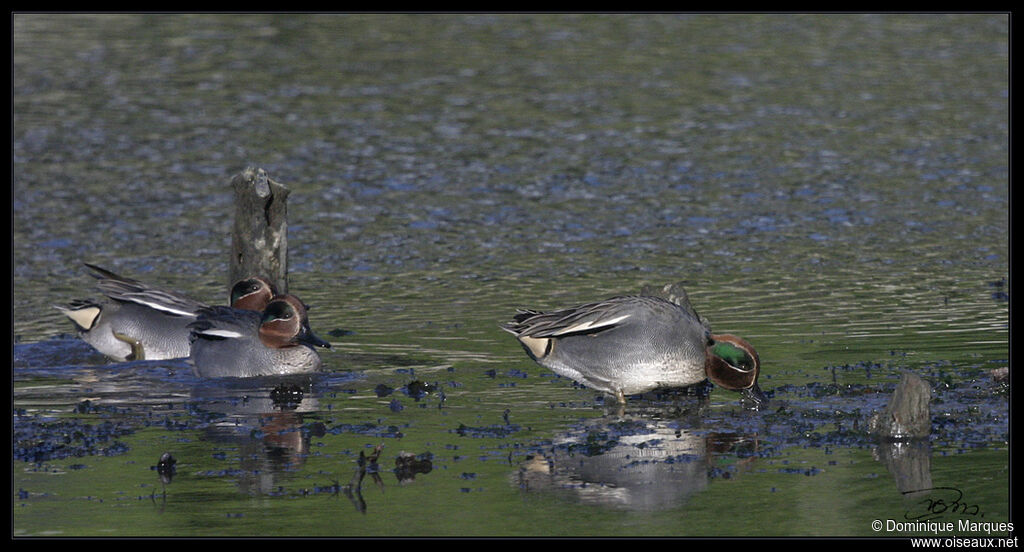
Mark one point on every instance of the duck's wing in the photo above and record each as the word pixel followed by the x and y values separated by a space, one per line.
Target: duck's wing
pixel 589 318
pixel 220 322
pixel 675 293
pixel 124 289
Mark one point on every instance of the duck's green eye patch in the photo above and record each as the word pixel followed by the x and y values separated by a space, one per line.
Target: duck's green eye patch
pixel 733 355
pixel 242 289
pixel 277 311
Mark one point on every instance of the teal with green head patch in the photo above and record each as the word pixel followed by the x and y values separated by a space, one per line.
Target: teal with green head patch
pixel 735 356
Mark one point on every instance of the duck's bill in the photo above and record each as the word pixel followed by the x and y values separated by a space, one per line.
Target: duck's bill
pixel 754 398
pixel 311 338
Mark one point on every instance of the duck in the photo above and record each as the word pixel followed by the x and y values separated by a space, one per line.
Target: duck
pixel 632 344
pixel 227 342
pixel 138 321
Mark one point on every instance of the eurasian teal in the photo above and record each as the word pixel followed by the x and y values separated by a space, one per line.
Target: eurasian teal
pixel 634 344
pixel 138 321
pixel 229 342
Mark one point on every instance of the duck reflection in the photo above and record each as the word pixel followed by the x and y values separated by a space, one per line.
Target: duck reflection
pixel 262 419
pixel 639 459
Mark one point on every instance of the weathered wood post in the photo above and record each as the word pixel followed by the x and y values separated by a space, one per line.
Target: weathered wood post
pixel 907 416
pixel 259 239
pixel 902 430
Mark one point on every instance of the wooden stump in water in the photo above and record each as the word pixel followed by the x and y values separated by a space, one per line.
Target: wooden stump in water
pixel 902 430
pixel 259 239
pixel 907 416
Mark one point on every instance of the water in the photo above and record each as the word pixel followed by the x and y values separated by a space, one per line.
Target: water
pixel 832 188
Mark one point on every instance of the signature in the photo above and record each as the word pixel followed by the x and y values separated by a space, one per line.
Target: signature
pixel 943 500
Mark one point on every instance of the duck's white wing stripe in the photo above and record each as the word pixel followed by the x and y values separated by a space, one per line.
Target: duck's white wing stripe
pixel 164 307
pixel 219 332
pixel 588 325
pixel 153 298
